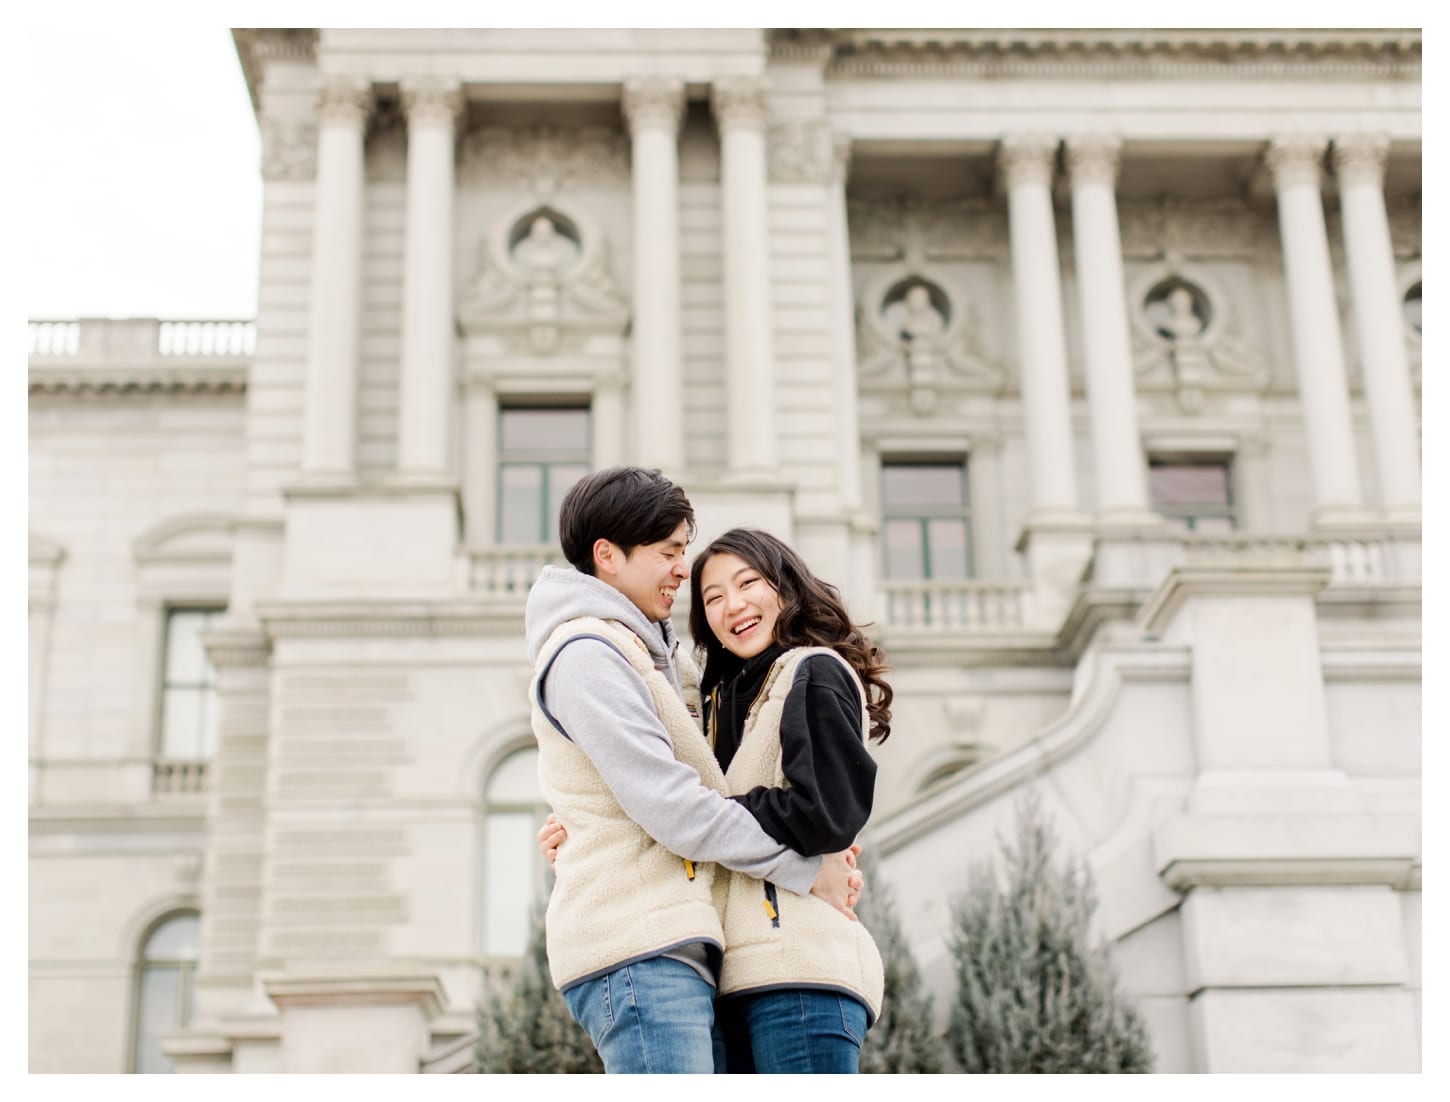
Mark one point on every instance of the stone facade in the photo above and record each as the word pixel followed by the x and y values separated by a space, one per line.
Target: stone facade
pixel 781 266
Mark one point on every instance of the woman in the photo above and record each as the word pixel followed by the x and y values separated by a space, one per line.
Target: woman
pixel 790 689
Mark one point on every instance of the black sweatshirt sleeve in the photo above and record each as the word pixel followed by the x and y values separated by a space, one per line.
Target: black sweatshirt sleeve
pixel 830 776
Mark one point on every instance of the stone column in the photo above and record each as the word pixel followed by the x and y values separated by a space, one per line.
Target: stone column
pixel 739 104
pixel 654 108
pixel 843 321
pixel 330 420
pixel 425 386
pixel 1026 163
pixel 1092 163
pixel 1294 163
pixel 1359 163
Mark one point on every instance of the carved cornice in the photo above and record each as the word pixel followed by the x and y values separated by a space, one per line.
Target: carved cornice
pixel 1295 159
pixel 344 100
pixel 432 100
pixel 1142 53
pixel 1093 158
pixel 811 45
pixel 121 382
pixel 1026 159
pixel 654 103
pixel 257 46
pixel 739 102
pixel 289 149
pixel 381 619
pixel 237 647
pixel 1360 159
pixel 802 152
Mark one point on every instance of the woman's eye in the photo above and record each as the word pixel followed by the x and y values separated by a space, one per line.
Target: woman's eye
pixel 748 582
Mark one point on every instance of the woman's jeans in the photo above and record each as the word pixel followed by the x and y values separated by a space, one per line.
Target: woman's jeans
pixel 793 1031
pixel 653 1016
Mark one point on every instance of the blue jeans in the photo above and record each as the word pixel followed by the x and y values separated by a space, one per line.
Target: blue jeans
pixel 793 1031
pixel 653 1016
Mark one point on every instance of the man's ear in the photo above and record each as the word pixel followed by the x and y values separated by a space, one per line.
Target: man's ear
pixel 604 557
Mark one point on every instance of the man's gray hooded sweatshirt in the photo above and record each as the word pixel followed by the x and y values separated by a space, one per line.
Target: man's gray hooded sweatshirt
pixel 594 696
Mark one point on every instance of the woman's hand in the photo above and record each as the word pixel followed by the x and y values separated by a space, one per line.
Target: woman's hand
pixel 839 882
pixel 551 837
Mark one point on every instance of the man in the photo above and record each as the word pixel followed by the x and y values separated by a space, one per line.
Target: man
pixel 633 929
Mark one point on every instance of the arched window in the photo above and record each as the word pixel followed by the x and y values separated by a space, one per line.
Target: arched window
pixel 515 876
pixel 165 988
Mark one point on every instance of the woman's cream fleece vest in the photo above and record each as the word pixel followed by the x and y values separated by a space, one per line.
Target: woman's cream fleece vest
pixel 619 896
pixel 777 939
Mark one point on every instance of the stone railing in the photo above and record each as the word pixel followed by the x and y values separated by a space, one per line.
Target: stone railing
pixel 956 606
pixel 178 778
pixel 509 571
pixel 1352 559
pixel 140 341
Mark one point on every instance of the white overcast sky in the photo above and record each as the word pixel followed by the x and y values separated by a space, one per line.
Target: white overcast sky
pixel 143 184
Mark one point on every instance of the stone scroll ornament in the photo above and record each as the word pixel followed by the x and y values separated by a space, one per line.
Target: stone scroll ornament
pixel 910 333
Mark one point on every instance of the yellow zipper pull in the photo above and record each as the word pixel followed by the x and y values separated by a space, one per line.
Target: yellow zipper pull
pixel 689 867
pixel 769 910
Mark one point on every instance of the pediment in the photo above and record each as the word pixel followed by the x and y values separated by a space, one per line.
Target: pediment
pixel 193 537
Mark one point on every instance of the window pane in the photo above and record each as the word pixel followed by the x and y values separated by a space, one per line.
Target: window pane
pixel 516 780
pixel 186 659
pixel 182 723
pixel 521 502
pixel 1189 484
pixel 510 854
pixel 175 939
pixel 562 477
pixel 554 430
pixel 911 485
pixel 947 541
pixel 903 549
pixel 157 1014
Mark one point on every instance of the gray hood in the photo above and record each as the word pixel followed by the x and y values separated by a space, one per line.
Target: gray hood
pixel 562 593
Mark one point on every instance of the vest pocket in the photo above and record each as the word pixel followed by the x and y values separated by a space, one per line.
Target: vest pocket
pixel 771 905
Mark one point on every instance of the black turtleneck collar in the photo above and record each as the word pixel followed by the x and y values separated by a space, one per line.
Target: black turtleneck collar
pixel 739 685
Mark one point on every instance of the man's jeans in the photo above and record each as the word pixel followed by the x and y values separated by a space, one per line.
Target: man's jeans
pixel 794 1031
pixel 655 1015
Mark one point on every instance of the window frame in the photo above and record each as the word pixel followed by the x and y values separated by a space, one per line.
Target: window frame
pixel 168 610
pixel 540 872
pixel 1232 509
pixel 544 459
pixel 958 461
pixel 188 972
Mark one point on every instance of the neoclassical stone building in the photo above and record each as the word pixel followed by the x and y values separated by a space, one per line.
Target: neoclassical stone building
pixel 1087 363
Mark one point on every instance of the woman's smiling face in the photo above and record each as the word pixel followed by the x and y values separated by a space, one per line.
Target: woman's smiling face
pixel 741 607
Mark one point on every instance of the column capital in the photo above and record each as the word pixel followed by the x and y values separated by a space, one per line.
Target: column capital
pixel 1295 159
pixel 1093 158
pixel 345 99
pixel 654 103
pixel 1026 159
pixel 1360 158
pixel 432 99
pixel 739 102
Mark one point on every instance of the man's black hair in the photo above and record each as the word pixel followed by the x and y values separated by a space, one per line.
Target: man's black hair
pixel 628 506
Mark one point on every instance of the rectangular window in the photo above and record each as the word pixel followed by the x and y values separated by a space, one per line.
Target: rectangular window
pixel 926 521
pixel 542 453
pixel 1196 493
pixel 189 709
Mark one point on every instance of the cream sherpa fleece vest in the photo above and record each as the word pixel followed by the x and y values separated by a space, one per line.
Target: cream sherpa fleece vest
pixel 619 896
pixel 775 938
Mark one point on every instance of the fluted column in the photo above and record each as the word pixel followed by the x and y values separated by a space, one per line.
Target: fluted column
pixel 1294 163
pixel 330 421
pixel 843 323
pixel 654 107
pixel 426 382
pixel 1092 163
pixel 1026 163
pixel 739 104
pixel 1359 163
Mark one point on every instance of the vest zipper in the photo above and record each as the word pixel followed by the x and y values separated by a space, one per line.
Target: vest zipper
pixel 772 905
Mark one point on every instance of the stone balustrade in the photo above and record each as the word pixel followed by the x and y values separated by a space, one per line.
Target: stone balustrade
pixel 178 778
pixel 139 342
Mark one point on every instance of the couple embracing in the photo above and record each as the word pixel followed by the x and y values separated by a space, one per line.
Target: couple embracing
pixel 703 837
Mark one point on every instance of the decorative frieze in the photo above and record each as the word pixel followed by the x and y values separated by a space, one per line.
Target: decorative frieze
pixel 1192 227
pixel 289 148
pixel 802 153
pixel 1404 213
pixel 122 382
pixel 654 103
pixel 544 158
pixel 945 229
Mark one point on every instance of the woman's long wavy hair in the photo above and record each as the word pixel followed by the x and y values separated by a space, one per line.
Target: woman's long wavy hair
pixel 812 614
